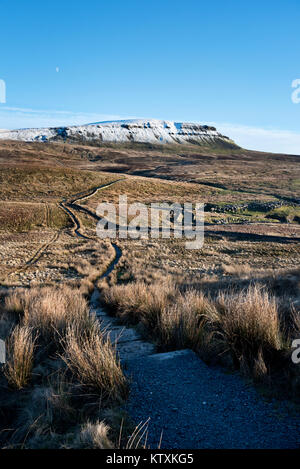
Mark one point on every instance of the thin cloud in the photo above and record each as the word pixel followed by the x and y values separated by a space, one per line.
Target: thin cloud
pixel 256 138
pixel 16 118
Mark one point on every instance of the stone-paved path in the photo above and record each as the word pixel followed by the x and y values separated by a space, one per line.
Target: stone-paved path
pixel 192 405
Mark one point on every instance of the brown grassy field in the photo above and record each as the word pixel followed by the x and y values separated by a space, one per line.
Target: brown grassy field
pixel 25 216
pixel 231 169
pixel 241 288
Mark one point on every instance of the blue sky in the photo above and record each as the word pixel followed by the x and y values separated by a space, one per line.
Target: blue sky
pixel 230 63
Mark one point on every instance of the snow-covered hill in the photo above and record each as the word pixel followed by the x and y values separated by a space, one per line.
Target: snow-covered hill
pixel 136 130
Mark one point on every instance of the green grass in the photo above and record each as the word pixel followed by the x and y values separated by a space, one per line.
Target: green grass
pixel 285 214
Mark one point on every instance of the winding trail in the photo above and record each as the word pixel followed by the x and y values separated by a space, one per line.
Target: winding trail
pixel 76 222
pixel 128 342
pixel 190 405
pixel 68 205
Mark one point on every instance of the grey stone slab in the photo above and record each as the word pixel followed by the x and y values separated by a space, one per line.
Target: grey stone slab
pixel 135 349
pixel 122 334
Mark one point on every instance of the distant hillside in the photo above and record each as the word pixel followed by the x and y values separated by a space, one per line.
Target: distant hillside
pixel 228 170
pixel 126 131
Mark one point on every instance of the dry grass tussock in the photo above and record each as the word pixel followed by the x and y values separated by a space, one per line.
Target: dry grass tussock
pixel 61 319
pixel 175 319
pixel 240 270
pixel 249 323
pixel 92 359
pixel 20 356
pixel 98 435
pixel 50 310
pixel 93 436
pixel 246 325
pixel 47 416
pixel 138 301
pixel 186 323
pixel 69 368
pixel 15 302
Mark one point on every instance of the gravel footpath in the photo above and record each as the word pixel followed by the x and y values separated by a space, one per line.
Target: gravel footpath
pixel 200 407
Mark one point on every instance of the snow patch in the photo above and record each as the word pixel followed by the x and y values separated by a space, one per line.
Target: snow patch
pixel 130 130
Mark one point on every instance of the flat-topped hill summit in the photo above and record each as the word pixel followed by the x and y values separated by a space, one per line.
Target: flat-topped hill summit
pixel 133 130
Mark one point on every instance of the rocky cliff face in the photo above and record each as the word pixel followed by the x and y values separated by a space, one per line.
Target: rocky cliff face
pixel 139 130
